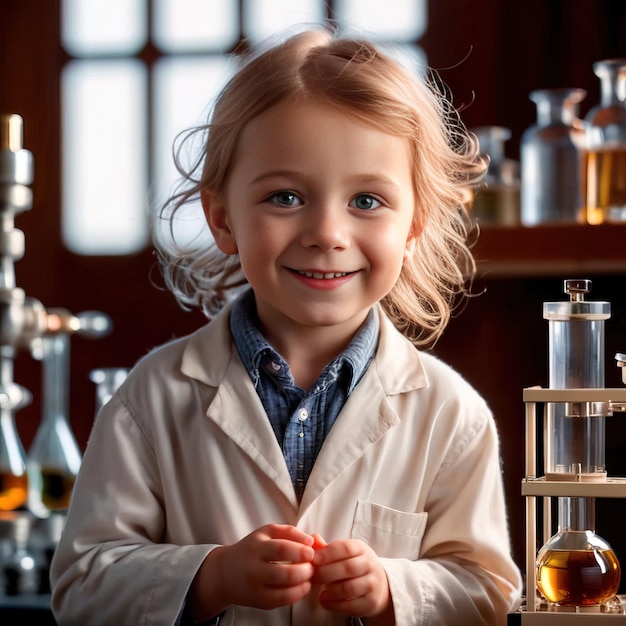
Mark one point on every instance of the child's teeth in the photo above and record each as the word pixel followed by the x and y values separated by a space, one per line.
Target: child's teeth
pixel 319 275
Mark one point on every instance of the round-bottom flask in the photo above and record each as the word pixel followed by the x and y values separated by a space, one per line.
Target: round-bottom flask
pixel 576 567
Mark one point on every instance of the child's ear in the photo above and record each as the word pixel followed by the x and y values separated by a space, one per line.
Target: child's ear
pixel 409 249
pixel 411 241
pixel 217 218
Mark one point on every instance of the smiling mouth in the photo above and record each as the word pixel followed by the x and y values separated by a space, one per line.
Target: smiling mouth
pixel 322 275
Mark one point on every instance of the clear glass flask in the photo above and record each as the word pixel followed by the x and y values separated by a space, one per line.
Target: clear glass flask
pixel 497 196
pixel 551 159
pixel 605 159
pixel 576 567
pixel 54 457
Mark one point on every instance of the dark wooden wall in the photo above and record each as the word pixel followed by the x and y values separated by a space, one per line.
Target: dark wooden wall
pixel 491 53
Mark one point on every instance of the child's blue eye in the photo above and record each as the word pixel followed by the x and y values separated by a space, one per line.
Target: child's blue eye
pixel 285 198
pixel 365 202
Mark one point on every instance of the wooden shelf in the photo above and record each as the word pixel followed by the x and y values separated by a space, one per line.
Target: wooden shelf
pixel 579 250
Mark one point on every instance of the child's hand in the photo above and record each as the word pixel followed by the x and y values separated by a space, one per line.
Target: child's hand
pixel 271 567
pixel 352 578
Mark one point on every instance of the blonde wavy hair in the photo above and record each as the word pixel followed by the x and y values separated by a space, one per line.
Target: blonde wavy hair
pixel 356 76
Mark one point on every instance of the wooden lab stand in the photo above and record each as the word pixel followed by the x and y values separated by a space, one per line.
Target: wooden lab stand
pixel 536 612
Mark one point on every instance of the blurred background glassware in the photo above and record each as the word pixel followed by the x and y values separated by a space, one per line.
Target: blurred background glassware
pixel 13 474
pixel 19 568
pixel 551 157
pixel 107 381
pixel 497 196
pixel 605 160
pixel 54 456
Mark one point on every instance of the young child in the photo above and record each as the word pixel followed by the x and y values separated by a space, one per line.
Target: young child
pixel 299 460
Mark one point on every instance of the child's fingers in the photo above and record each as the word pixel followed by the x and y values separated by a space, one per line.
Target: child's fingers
pixel 286 531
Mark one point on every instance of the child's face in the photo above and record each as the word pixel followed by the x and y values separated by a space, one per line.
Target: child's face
pixel 319 207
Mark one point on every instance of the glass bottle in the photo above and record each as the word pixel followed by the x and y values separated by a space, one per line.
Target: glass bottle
pixel 605 193
pixel 13 475
pixel 497 196
pixel 54 457
pixel 576 567
pixel 551 155
pixel 107 380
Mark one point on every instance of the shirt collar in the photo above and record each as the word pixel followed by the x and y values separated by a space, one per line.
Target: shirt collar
pixel 253 347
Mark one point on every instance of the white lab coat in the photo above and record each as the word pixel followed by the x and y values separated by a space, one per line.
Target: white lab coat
pixel 183 458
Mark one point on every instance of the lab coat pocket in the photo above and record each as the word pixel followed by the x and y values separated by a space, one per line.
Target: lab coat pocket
pixel 391 533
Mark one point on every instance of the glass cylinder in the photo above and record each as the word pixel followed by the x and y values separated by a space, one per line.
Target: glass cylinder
pixel 54 457
pixel 576 567
pixel 551 155
pixel 575 446
pixel 605 159
pixel 497 196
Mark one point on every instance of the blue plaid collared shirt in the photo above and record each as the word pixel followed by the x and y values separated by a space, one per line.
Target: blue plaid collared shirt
pixel 301 419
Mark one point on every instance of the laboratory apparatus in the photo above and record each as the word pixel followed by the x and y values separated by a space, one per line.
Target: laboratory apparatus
pixel 574 577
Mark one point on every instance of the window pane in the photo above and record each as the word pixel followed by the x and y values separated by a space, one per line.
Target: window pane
pixel 263 18
pixel 409 55
pixel 92 27
pixel 104 157
pixel 184 92
pixel 392 19
pixel 182 25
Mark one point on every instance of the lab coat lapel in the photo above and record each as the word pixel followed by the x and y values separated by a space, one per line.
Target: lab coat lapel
pixel 364 420
pixel 234 405
pixel 367 415
pixel 237 410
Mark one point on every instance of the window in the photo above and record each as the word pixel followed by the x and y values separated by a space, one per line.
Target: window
pixel 141 71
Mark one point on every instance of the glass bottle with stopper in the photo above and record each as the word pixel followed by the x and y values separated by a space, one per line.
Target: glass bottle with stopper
pixel 605 158
pixel 551 156
pixel 497 196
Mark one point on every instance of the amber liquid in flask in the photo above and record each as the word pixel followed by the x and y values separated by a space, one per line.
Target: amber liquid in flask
pixel 56 488
pixel 13 490
pixel 576 567
pixel 578 577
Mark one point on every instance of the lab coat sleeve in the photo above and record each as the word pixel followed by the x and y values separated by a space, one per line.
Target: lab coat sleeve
pixel 465 573
pixel 110 566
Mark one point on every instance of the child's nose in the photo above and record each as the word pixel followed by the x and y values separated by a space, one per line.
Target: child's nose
pixel 326 228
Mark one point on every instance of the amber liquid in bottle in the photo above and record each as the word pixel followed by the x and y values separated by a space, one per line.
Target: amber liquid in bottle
pixel 606 185
pixel 56 490
pixel 578 577
pixel 13 491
